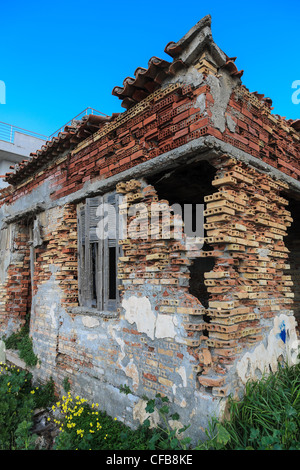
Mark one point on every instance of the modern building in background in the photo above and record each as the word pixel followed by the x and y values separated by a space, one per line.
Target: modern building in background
pixel 16 144
pixel 157 309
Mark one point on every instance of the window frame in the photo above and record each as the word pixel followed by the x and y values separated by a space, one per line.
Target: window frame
pixel 88 217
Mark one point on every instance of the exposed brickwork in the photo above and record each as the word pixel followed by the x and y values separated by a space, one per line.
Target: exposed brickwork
pixel 166 120
pixel 59 249
pixel 163 338
pixel 15 293
pixel 263 135
pixel 160 261
pixel 246 222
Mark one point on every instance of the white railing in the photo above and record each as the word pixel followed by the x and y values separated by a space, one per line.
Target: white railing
pixel 79 116
pixel 7 132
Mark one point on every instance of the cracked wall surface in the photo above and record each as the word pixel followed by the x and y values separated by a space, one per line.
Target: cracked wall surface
pixel 15 283
pixel 196 319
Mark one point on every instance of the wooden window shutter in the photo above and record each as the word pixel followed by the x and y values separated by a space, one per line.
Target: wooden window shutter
pixel 98 252
pixel 111 253
pixel 81 253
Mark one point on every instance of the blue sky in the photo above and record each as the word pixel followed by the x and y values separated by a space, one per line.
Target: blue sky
pixel 58 58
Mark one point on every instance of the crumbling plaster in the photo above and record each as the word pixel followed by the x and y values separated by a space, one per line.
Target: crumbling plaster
pixel 99 349
pixel 202 148
pixel 93 333
pixel 138 310
pixel 221 88
pixel 6 237
pixel 280 346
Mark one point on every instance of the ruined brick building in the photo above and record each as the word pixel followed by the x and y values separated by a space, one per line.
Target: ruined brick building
pixel 189 320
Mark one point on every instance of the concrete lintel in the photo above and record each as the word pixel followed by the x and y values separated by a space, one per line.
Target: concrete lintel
pixel 92 312
pixel 198 149
pixel 204 148
pixel 30 211
pixel 255 162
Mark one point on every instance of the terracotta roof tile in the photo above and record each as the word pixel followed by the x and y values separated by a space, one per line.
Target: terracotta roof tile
pixel 232 68
pixel 296 125
pixel 184 53
pixel 187 51
pixel 145 81
pixel 67 139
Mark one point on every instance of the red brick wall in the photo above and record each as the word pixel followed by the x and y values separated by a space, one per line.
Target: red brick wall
pixel 16 290
pixel 261 134
pixel 166 120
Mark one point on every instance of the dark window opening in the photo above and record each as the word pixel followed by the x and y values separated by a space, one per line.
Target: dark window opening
pixel 94 257
pixel 98 251
pixel 185 185
pixel 197 270
pixel 292 242
pixel 189 185
pixel 112 278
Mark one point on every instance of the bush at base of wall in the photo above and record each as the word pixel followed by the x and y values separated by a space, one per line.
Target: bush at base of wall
pixel 23 343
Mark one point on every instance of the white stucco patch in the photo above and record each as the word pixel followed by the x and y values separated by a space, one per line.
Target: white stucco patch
pixel 182 372
pixel 92 338
pixel 201 102
pixel 90 322
pixel 140 414
pixel 165 327
pixel 281 343
pixel 176 425
pixel 130 369
pixel 122 352
pixel 138 310
pixel 2 352
pixel 52 315
pixel 132 372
